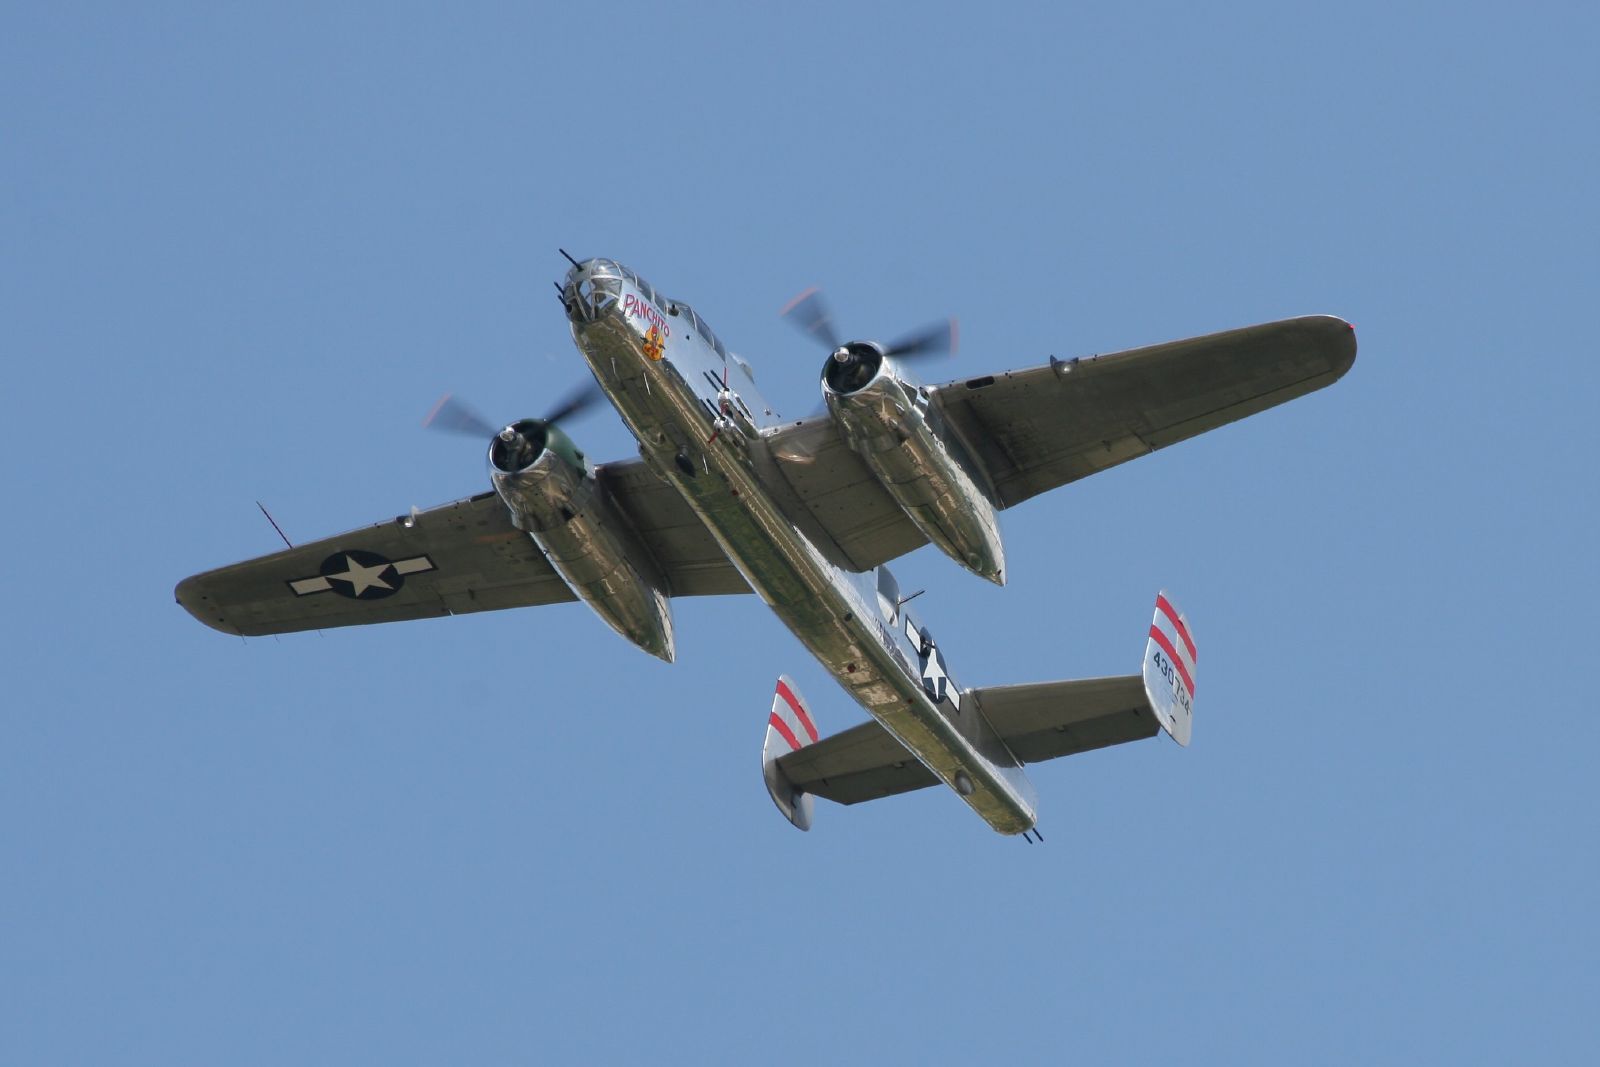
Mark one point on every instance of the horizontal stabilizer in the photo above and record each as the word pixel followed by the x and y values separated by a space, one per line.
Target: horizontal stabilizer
pixel 865 762
pixel 1047 720
pixel 1037 722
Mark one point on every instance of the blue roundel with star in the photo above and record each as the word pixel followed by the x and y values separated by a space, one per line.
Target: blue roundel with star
pixel 361 575
pixel 934 678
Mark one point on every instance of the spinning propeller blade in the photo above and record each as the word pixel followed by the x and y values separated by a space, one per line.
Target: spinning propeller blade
pixel 457 416
pixel 580 399
pixel 810 313
pixel 931 341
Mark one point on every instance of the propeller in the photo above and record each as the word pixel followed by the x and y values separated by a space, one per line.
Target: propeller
pixel 518 444
pixel 575 402
pixel 933 340
pixel 453 415
pixel 458 416
pixel 810 313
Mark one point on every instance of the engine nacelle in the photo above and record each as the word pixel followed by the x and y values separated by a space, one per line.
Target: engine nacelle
pixel 885 421
pixel 553 496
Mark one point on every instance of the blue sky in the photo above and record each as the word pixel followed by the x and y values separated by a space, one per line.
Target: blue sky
pixel 245 251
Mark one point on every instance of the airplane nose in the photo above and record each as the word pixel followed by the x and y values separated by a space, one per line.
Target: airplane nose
pixel 591 288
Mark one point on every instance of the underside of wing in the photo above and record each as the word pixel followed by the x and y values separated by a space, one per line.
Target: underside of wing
pixel 448 560
pixel 834 499
pixel 451 560
pixel 1033 430
pixel 1036 429
pixel 684 550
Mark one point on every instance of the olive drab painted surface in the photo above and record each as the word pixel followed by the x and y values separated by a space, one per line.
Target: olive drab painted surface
pixel 727 496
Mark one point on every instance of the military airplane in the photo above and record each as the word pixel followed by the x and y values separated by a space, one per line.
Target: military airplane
pixel 728 497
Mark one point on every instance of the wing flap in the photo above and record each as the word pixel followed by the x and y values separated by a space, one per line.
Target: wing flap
pixel 689 557
pixel 849 515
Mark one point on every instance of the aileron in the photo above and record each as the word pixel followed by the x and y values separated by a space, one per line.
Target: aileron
pixel 727 497
pixel 476 560
pixel 1040 428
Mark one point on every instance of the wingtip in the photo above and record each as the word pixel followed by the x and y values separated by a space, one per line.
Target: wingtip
pixel 1339 336
pixel 190 596
pixel 1347 354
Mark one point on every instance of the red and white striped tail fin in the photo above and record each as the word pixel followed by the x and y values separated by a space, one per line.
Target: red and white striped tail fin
pixel 1169 659
pixel 789 727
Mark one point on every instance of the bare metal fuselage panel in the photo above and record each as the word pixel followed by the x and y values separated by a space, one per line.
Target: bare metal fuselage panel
pixel 727 497
pixel 665 373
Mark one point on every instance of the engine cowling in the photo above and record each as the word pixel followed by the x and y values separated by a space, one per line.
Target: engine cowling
pixel 885 420
pixel 553 495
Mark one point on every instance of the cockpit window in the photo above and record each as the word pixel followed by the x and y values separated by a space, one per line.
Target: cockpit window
pixel 699 326
pixel 591 295
pixel 649 292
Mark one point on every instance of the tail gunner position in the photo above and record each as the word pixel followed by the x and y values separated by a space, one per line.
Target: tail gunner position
pixel 727 497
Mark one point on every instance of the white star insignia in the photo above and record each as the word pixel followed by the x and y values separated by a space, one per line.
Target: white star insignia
pixel 933 673
pixel 362 578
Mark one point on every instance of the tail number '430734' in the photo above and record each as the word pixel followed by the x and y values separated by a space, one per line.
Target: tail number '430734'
pixel 1170 673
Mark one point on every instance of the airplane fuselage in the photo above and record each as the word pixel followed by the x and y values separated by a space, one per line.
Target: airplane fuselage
pixel 703 426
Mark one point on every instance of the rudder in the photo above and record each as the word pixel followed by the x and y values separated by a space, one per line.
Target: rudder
pixel 1169 668
pixel 790 727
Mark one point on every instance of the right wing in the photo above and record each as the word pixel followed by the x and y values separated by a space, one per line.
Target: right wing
pixel 689 557
pixel 450 560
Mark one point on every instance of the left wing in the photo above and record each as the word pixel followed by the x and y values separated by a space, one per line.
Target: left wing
pixel 1033 430
pixel 1036 429
pixel 836 501
pixel 450 560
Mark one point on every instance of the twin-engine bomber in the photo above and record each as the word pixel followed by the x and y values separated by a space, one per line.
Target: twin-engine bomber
pixel 727 497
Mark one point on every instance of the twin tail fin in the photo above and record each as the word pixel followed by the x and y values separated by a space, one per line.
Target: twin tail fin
pixel 790 728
